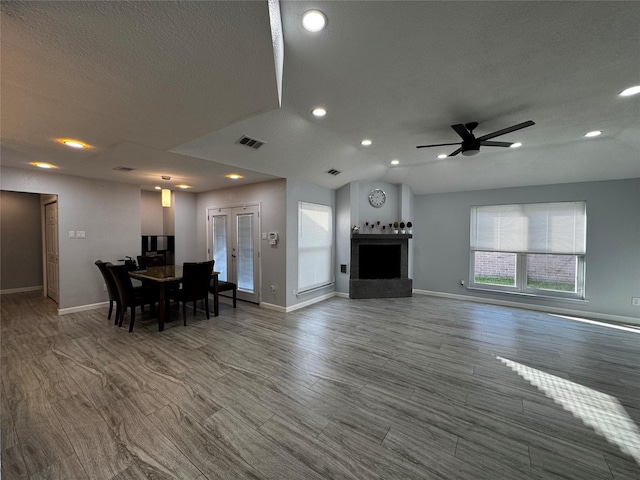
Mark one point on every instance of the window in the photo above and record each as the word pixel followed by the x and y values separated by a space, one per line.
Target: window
pixel 315 242
pixel 535 249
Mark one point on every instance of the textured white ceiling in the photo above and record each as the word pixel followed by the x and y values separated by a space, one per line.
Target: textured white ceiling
pixel 168 88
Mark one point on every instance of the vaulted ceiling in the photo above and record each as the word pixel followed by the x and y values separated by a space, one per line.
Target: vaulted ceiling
pixel 167 88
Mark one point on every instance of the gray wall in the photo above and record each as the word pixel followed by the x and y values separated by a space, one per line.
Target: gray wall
pixel 20 240
pixel 108 212
pixel 343 236
pixel 303 192
pixel 185 206
pixel 272 199
pixel 151 215
pixel 441 242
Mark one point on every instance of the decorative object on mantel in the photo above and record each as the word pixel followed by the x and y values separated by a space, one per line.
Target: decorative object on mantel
pixel 409 228
pixel 355 229
pixel 395 227
pixel 384 229
pixel 402 230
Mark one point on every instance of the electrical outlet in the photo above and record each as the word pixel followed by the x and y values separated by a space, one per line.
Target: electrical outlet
pixel 462 282
pixel 104 287
pixel 72 234
pixel 273 289
pixel 635 301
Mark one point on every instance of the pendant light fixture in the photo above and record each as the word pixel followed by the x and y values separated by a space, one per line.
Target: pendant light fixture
pixel 166 194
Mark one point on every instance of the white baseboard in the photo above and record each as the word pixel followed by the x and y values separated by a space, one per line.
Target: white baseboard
pixel 342 295
pixel 298 306
pixel 9 291
pixel 529 306
pixel 82 308
pixel 271 306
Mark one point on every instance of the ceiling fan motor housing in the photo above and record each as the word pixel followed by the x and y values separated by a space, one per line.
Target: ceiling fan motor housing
pixel 470 147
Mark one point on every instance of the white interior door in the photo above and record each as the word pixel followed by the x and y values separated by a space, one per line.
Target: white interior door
pixel 51 245
pixel 235 245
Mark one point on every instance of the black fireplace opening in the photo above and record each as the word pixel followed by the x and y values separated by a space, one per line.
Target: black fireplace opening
pixel 379 261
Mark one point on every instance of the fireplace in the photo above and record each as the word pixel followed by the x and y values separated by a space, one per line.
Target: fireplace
pixel 380 266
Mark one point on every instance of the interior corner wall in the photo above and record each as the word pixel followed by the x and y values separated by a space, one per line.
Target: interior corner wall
pixel 20 240
pixel 298 191
pixel 273 258
pixel 185 208
pixel 109 213
pixel 151 215
pixel 441 234
pixel 343 237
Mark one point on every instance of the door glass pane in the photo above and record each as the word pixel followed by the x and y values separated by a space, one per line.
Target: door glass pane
pixel 220 246
pixel 552 272
pixel 495 268
pixel 245 253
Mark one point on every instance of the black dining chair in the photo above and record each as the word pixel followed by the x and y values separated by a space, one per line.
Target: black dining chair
pixel 130 297
pixel 223 287
pixel 112 288
pixel 195 286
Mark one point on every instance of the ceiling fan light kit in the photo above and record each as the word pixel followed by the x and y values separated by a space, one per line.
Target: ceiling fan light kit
pixel 470 145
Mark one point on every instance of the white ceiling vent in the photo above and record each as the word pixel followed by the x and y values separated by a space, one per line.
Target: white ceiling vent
pixel 250 142
pixel 124 169
pixel 333 171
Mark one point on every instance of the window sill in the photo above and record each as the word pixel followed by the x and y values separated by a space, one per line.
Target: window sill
pixel 528 295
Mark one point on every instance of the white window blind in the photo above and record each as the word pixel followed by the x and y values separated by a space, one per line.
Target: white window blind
pixel 558 228
pixel 315 241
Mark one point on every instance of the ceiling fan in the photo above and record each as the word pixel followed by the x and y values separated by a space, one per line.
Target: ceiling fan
pixel 470 145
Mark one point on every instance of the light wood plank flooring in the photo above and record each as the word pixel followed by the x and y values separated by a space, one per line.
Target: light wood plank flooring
pixel 417 388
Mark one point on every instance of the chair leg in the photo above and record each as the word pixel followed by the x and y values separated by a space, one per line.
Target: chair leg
pixel 184 313
pixel 206 305
pixel 123 311
pixel 117 317
pixel 194 308
pixel 110 309
pixel 234 298
pixel 133 318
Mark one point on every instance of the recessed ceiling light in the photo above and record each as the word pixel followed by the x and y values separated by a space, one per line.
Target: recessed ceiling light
pixel 158 188
pixel 395 162
pixel 442 155
pixel 630 91
pixel 183 186
pixel 319 112
pixel 595 133
pixel 43 165
pixel 366 142
pixel 233 176
pixel 516 145
pixel 314 20
pixel 70 142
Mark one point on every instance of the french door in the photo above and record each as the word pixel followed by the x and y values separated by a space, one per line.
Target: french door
pixel 234 241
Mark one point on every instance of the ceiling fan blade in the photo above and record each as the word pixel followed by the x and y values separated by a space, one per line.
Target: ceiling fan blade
pixel 506 130
pixel 438 145
pixel 489 143
pixel 461 130
pixel 455 152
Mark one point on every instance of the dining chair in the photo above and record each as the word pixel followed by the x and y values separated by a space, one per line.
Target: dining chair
pixel 130 297
pixel 195 286
pixel 112 288
pixel 223 287
pixel 145 261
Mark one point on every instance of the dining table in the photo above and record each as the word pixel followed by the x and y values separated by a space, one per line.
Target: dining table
pixel 165 276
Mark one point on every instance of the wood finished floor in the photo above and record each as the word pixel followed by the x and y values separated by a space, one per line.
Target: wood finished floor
pixel 419 388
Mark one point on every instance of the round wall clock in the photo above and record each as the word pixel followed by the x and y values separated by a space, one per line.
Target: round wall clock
pixel 377 198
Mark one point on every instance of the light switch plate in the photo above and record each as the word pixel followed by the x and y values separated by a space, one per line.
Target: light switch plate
pixel 80 234
pixel 72 234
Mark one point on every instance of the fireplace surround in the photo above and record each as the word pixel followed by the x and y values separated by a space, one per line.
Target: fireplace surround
pixel 380 266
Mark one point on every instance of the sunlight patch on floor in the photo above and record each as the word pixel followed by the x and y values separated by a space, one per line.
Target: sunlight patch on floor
pixel 626 328
pixel 597 410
